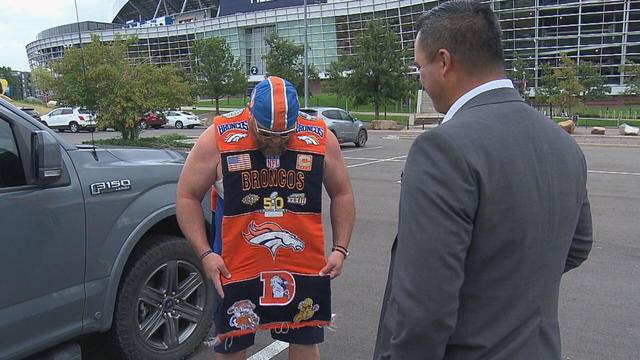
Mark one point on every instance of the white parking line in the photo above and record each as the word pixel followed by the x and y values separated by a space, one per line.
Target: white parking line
pixel 362 149
pixel 369 159
pixel 377 161
pixel 270 351
pixel 612 172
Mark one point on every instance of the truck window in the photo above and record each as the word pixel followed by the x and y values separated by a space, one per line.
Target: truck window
pixel 11 171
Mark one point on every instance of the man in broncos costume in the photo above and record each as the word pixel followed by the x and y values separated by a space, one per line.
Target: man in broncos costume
pixel 268 164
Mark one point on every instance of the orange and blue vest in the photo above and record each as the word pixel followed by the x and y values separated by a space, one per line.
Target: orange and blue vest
pixel 269 229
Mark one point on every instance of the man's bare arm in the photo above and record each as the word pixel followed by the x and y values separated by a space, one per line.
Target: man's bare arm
pixel 198 175
pixel 338 185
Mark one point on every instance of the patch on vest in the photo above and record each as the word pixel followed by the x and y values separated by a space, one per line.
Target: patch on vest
pixel 239 162
pixel 235 137
pixel 307 309
pixel 273 237
pixel 243 316
pixel 278 288
pixel 304 162
pixel 309 139
pixel 318 130
pixel 232 114
pixel 250 199
pixel 240 125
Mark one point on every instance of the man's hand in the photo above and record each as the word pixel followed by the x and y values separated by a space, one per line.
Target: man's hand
pixel 214 267
pixel 334 265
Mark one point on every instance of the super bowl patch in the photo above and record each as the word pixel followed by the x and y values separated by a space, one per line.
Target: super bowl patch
pixel 250 199
pixel 239 162
pixel 304 162
pixel 273 205
pixel 273 162
pixel 297 199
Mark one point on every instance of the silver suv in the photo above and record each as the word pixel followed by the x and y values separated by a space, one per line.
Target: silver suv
pixel 346 127
pixel 72 119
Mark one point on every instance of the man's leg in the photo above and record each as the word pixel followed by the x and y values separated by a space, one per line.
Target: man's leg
pixel 303 352
pixel 303 342
pixel 240 355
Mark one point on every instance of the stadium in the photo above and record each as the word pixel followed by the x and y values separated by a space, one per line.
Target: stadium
pixel 604 32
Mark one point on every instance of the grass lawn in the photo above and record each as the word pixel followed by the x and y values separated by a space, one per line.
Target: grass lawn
pixel 368 118
pixel 600 122
pixel 160 142
pixel 40 108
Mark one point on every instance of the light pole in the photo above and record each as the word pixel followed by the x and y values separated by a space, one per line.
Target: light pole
pixel 306 60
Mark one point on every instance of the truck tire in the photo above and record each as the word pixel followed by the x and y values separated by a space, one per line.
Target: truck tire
pixel 164 305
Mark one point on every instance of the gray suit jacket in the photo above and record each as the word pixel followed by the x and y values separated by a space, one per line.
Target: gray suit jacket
pixel 493 210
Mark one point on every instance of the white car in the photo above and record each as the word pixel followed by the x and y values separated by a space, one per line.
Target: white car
pixel 181 119
pixel 72 119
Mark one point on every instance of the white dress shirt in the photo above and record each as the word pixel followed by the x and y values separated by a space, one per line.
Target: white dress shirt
pixel 495 84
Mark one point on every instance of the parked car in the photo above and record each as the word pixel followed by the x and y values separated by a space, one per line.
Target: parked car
pixel 180 119
pixel 91 245
pixel 32 112
pixel 153 119
pixel 72 119
pixel 346 127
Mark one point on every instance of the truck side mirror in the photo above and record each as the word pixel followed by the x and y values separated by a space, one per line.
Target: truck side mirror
pixel 46 157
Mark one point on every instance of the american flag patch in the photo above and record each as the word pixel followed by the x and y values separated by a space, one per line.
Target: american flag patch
pixel 239 162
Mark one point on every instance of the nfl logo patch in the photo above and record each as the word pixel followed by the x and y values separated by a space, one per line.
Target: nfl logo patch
pixel 304 162
pixel 273 162
pixel 239 162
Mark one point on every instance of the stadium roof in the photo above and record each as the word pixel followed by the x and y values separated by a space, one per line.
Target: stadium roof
pixel 124 10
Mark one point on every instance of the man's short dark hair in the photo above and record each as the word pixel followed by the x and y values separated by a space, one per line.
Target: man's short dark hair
pixel 468 30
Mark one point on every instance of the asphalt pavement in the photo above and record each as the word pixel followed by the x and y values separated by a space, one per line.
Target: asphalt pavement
pixel 599 302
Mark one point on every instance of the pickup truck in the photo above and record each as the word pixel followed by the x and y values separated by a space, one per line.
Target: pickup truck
pixel 90 245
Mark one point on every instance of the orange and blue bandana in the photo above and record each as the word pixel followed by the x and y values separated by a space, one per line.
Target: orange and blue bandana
pixel 274 104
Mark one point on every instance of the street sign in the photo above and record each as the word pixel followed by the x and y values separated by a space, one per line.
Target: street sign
pixel 254 70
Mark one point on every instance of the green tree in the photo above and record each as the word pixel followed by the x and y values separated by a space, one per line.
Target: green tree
pixel 632 71
pixel 547 90
pixel 376 73
pixel 219 72
pixel 520 74
pixel 5 73
pixel 110 83
pixel 569 85
pixel 286 60
pixel 592 80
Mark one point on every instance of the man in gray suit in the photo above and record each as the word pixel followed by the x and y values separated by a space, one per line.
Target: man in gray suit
pixel 493 209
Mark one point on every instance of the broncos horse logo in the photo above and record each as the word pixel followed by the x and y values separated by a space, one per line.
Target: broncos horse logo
pixel 273 237
pixel 243 316
pixel 310 140
pixel 235 137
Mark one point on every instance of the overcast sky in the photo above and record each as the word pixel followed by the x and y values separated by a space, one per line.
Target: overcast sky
pixel 22 20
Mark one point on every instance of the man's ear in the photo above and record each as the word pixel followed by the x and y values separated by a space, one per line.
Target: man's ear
pixel 445 60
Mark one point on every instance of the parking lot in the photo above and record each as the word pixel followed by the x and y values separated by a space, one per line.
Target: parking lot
pixel 600 301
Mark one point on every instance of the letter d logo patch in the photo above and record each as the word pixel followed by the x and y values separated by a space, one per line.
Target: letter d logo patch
pixel 278 288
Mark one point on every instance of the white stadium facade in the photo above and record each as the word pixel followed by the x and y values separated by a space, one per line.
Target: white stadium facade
pixel 604 32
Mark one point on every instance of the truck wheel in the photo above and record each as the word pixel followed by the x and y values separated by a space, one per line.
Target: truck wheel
pixel 164 305
pixel 73 127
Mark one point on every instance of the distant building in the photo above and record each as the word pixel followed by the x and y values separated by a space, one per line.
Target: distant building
pixel 605 32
